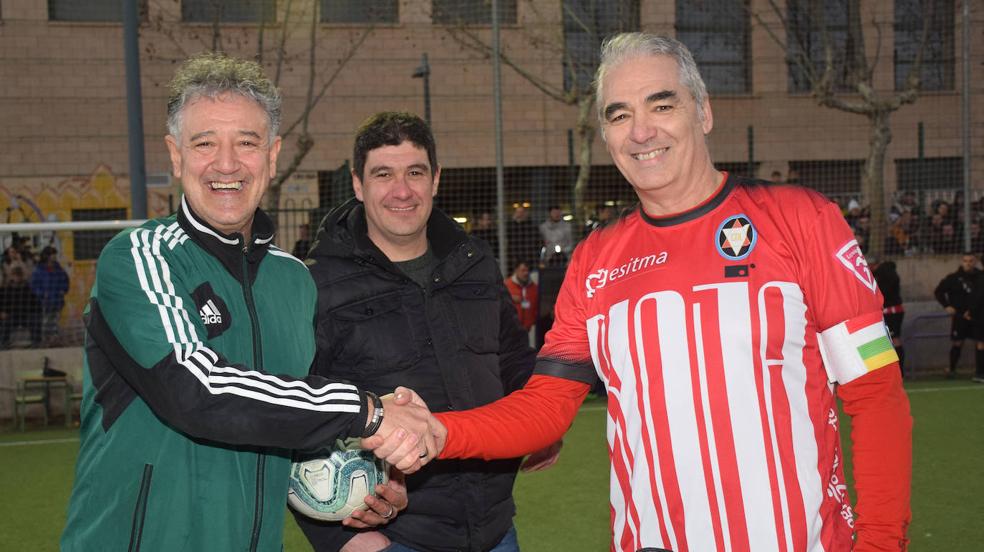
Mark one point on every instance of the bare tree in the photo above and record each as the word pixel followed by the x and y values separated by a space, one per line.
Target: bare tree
pixel 575 41
pixel 825 42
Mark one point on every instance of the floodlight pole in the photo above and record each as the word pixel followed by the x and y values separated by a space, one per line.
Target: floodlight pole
pixel 423 71
pixel 134 109
pixel 499 176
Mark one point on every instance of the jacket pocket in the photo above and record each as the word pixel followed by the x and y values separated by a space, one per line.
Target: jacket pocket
pixel 371 336
pixel 476 305
pixel 140 509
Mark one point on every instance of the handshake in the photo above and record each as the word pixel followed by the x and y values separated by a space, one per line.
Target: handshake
pixel 409 436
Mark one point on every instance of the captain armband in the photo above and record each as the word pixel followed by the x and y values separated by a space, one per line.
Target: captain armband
pixel 855 347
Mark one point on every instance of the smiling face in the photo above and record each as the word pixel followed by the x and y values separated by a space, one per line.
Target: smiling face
pixel 397 187
pixel 224 159
pixel 655 134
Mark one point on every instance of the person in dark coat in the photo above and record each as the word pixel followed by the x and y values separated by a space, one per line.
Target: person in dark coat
pixel 406 297
pixel 960 294
pixel 49 282
pixel 19 308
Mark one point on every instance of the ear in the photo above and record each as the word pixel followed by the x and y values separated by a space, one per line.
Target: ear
pixel 274 153
pixel 174 151
pixel 708 123
pixel 437 181
pixel 357 186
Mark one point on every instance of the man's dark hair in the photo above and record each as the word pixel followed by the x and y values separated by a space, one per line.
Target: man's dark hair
pixel 392 128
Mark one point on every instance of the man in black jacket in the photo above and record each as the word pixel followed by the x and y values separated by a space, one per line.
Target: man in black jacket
pixel 960 294
pixel 405 297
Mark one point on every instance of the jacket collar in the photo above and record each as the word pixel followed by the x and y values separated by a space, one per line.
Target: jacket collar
pixel 228 248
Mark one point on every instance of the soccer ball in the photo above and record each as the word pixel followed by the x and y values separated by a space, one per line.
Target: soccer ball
pixel 331 487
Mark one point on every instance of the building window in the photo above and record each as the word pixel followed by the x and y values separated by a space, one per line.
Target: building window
pixel 228 11
pixel 89 243
pixel 471 12
pixel 739 168
pixel 360 11
pixel 929 173
pixel 90 10
pixel 936 72
pixel 717 34
pixel 839 179
pixel 808 23
pixel 586 25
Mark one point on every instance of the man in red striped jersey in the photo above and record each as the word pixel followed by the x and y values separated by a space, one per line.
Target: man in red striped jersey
pixel 725 317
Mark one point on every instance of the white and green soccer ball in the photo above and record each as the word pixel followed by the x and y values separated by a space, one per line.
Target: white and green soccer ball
pixel 331 487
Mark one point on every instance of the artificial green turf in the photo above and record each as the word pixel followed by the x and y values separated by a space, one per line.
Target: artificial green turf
pixel 566 507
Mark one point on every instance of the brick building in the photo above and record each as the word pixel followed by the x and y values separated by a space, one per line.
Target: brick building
pixel 63 141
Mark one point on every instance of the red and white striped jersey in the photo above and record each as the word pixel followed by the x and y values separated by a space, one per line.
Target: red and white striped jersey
pixel 709 329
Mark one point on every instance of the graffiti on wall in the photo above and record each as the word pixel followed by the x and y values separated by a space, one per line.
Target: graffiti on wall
pixel 46 200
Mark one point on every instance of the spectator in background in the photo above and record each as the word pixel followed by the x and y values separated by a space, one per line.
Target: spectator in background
pixel 49 282
pixel 943 209
pixel 776 177
pixel 525 295
pixel 976 238
pixel 605 216
pixel 899 240
pixel 959 293
pixel 853 212
pixel 522 238
pixel 19 308
pixel 862 231
pixel 793 177
pixel 949 240
pixel 890 285
pixel 558 238
pixel 303 243
pixel 13 258
pixel 484 229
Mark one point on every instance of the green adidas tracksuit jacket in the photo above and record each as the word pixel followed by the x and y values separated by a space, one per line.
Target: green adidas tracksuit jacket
pixel 195 390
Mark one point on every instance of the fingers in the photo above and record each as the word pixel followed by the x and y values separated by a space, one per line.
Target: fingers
pixel 543 458
pixel 405 395
pixel 380 512
pixel 390 499
pixel 400 449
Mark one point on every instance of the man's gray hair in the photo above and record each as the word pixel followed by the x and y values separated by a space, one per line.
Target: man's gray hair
pixel 211 75
pixel 621 47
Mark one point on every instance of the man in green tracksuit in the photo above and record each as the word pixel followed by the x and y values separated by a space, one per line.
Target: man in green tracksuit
pixel 199 342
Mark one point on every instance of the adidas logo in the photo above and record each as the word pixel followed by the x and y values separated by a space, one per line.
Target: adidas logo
pixel 210 314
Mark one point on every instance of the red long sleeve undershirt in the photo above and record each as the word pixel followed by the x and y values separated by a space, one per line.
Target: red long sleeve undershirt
pixel 522 422
pixel 881 438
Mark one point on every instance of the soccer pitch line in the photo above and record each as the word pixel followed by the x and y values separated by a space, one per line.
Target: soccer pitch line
pixel 591 408
pixel 40 442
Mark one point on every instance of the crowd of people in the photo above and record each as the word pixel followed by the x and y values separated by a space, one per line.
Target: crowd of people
pixel 32 293
pixel 916 227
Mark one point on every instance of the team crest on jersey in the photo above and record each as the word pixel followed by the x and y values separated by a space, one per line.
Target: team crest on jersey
pixel 853 260
pixel 736 238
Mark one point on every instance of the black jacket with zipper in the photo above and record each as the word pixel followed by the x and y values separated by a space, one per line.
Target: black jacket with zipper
pixel 456 341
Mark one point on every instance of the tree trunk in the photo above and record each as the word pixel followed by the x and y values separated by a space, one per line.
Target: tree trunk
pixel 585 135
pixel 872 179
